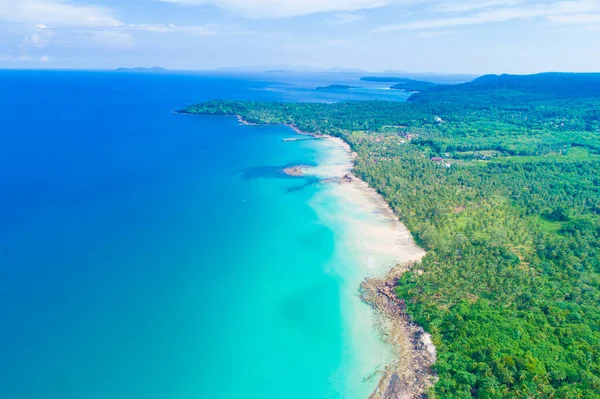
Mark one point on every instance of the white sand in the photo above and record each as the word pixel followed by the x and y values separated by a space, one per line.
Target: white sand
pixel 371 241
pixel 376 228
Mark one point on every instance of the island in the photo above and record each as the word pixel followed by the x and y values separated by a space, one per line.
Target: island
pixel 499 180
pixel 402 83
pixel 142 69
pixel 385 79
pixel 336 87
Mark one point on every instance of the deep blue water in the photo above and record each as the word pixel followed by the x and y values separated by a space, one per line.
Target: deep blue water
pixel 145 254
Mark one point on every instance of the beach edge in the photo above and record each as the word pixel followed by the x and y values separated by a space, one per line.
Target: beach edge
pixel 410 374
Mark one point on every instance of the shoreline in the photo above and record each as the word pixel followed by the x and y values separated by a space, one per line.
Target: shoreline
pixel 295 128
pixel 408 374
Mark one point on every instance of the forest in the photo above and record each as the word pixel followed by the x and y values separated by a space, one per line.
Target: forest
pixel 499 179
pixel 402 83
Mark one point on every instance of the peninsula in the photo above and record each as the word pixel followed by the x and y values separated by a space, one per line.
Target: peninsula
pixel 402 83
pixel 336 87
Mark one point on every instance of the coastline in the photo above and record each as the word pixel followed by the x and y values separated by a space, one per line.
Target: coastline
pixel 387 250
pixel 295 128
pixel 409 374
pixel 242 121
pixel 390 250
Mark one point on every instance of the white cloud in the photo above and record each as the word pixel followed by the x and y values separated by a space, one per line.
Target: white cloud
pixel 66 23
pixel 587 22
pixel 198 30
pixel 346 17
pixel 433 34
pixel 562 8
pixel 56 14
pixel 93 38
pixel 108 39
pixel 465 6
pixel 576 19
pixel 44 58
pixel 285 8
pixel 156 28
pixel 38 40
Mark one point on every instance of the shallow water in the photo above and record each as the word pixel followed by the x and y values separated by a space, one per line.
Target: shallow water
pixel 145 254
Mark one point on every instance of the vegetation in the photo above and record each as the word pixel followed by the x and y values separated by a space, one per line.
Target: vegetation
pixel 510 216
pixel 336 87
pixel 402 83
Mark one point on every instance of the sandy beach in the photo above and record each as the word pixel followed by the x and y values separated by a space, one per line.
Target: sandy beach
pixel 394 354
pixel 398 366
pixel 390 238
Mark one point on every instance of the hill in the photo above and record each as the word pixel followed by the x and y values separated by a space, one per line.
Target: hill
pixel 336 87
pixel 402 83
pixel 506 88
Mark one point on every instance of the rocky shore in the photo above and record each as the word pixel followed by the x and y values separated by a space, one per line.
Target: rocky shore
pixel 296 171
pixel 409 376
pixel 301 170
pixel 244 121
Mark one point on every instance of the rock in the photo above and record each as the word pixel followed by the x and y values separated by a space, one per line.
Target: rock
pixel 410 375
pixel 295 170
pixel 346 179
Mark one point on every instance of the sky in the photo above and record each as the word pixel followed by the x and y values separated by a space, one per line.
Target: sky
pixel 444 36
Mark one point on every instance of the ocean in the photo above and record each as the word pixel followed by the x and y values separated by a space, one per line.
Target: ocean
pixel 146 254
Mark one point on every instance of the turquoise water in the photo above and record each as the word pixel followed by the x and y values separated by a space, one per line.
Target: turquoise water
pixel 145 254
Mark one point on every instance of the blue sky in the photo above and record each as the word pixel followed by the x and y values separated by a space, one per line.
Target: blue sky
pixel 454 36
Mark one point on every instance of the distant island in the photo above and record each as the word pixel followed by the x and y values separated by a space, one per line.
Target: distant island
pixel 384 79
pixel 336 87
pixel 402 83
pixel 343 70
pixel 143 69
